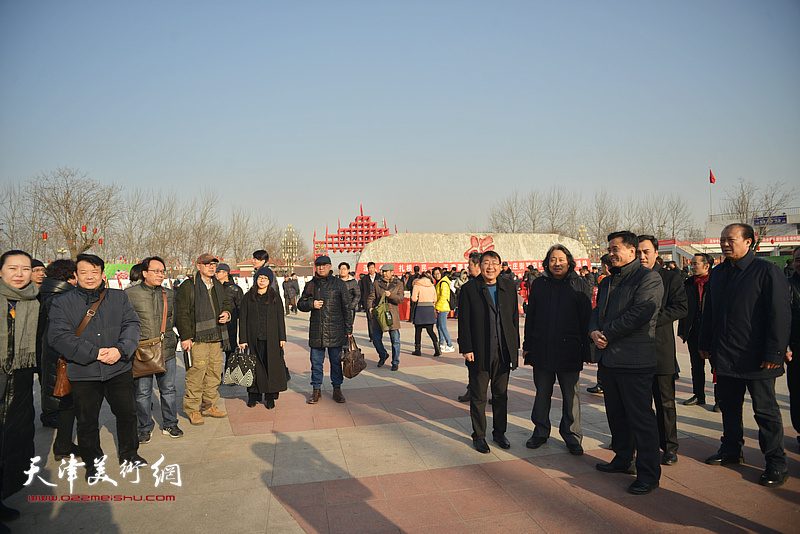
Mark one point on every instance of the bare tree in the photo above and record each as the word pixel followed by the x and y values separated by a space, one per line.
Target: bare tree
pixel 75 204
pixel 507 214
pixel 749 204
pixel 532 210
pixel 603 215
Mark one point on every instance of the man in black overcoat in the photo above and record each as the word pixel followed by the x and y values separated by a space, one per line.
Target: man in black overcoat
pixel 488 338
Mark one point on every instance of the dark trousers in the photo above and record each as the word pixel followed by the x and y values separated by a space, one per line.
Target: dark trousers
pixel 88 398
pixel 418 328
pixel 64 428
pixel 698 368
pixel 730 396
pixel 570 426
pixel 479 380
pixel 634 431
pixel 793 379
pixel 666 415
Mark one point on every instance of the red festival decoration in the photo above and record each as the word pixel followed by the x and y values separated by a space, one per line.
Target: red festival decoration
pixel 353 238
pixel 100 241
pixel 94 231
pixel 44 236
pixel 83 228
pixel 479 245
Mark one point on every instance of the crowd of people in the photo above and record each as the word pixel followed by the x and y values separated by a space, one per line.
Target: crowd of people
pixel 742 315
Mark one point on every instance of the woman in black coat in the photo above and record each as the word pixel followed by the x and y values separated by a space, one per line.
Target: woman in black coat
pixel 262 328
pixel 17 363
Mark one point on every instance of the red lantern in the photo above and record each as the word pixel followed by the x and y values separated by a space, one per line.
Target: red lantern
pixel 83 228
pixel 94 231
pixel 100 241
pixel 44 236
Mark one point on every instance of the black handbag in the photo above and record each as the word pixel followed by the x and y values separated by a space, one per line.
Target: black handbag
pixel 241 368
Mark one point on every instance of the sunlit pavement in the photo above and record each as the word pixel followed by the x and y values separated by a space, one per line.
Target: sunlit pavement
pixel 398 457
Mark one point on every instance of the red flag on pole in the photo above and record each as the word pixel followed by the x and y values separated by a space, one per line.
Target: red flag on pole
pixel 711 177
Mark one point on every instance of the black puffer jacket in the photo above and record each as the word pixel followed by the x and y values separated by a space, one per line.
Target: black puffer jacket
pixel 794 284
pixel 49 289
pixel 557 323
pixel 627 308
pixel 330 325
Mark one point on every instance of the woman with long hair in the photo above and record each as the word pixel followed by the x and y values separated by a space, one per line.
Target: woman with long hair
pixel 424 295
pixel 17 363
pixel 262 328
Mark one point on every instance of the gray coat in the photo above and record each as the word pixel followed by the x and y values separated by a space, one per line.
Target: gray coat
pixel 628 302
pixel 149 306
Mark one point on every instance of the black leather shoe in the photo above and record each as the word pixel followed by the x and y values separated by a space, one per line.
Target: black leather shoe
pixel 395 367
pixel 641 488
pixel 464 397
pixel 611 467
pixel 575 450
pixel 597 390
pixel 481 445
pixel 251 403
pixel 535 443
pixel 669 458
pixel 502 441
pixel 133 460
pixel 724 459
pixel 694 400
pixel 381 361
pixel 773 479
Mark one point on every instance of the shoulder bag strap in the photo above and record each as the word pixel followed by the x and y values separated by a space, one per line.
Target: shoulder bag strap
pixel 90 313
pixel 164 315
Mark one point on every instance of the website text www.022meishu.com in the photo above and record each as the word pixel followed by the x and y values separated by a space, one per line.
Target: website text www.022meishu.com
pixel 101 498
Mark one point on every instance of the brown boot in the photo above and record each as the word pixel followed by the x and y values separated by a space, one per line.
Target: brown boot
pixel 337 395
pixel 315 396
pixel 196 418
pixel 214 412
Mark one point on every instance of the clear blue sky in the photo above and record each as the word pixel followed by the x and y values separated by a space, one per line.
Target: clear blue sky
pixel 424 111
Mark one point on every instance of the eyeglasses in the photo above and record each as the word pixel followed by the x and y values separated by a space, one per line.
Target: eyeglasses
pixel 490 263
pixel 160 271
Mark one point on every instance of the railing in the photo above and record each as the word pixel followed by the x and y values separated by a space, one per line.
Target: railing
pixel 734 216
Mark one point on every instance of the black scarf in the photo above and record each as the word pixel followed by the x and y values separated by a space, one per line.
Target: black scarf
pixel 207 326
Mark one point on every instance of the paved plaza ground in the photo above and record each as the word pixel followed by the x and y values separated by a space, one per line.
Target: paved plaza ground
pixel 397 457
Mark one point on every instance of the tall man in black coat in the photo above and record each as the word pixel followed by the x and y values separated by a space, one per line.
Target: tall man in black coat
pixel 623 328
pixel 745 331
pixel 488 338
pixel 673 308
pixel 556 345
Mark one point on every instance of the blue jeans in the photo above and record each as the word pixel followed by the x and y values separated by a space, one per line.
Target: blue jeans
pixel 394 337
pixel 441 326
pixel 143 387
pixel 317 361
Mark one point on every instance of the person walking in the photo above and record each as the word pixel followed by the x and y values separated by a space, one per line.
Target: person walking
pixel 442 309
pixel 263 330
pixel 424 295
pixel 391 287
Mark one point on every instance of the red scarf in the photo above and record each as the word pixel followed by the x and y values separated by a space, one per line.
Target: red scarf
pixel 699 283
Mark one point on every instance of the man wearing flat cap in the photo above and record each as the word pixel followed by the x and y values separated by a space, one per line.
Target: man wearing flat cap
pixel 392 288
pixel 331 324
pixel 201 310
